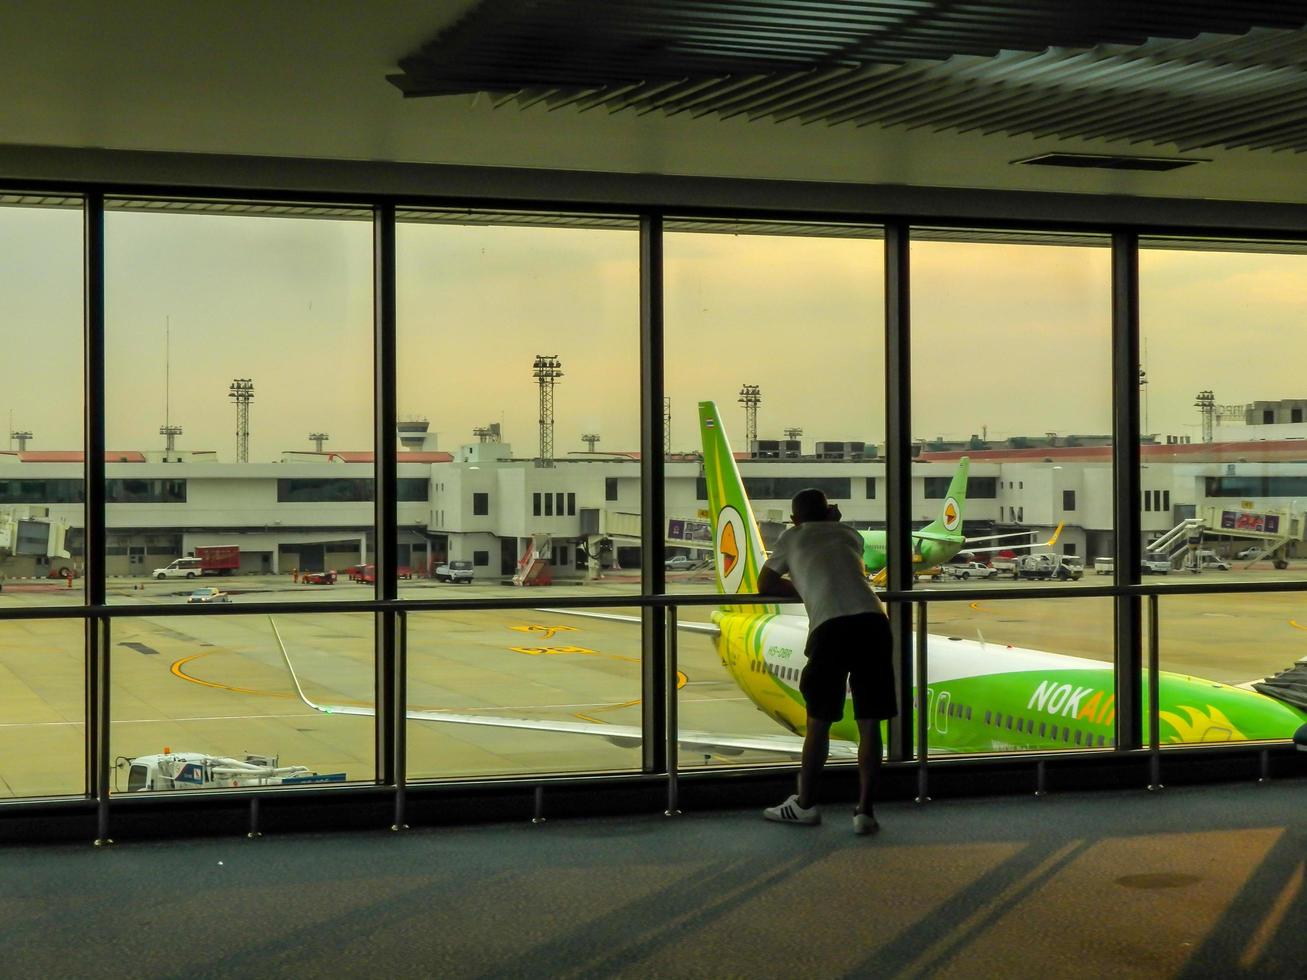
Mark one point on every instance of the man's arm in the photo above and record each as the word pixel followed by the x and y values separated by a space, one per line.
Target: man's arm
pixel 770 583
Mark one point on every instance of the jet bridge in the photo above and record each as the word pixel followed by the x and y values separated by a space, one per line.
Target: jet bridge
pixel 29 537
pixel 1269 532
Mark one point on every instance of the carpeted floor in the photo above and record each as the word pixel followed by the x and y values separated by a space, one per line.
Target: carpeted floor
pixel 1201 881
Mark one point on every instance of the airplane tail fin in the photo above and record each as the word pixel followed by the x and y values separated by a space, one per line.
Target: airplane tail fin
pixel 950 516
pixel 737 543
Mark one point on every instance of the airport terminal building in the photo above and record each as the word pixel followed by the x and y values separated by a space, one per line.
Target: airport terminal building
pixel 313 511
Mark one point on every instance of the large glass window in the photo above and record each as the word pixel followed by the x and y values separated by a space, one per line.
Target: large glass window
pixel 1231 668
pixel 42 708
pixel 41 469
pixel 1012 391
pixel 191 695
pixel 519 392
pixel 511 691
pixel 1223 468
pixel 1020 674
pixel 238 350
pixel 781 329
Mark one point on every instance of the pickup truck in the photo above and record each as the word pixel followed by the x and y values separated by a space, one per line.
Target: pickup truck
pixel 454 571
pixel 970 569
pixel 1207 559
pixel 1154 565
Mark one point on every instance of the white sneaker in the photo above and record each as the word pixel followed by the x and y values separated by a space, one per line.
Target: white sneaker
pixel 864 824
pixel 791 812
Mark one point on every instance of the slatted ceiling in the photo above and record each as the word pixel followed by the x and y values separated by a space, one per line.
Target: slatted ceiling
pixel 255 208
pixel 39 201
pixel 1194 75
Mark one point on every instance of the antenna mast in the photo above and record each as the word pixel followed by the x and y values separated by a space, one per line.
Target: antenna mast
pixel 169 431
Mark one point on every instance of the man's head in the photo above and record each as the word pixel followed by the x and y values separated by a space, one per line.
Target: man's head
pixel 808 505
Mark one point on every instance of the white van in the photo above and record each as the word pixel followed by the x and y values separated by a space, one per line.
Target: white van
pixel 1104 566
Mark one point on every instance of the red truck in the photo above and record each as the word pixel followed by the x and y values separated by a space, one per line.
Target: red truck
pixel 367 574
pixel 220 559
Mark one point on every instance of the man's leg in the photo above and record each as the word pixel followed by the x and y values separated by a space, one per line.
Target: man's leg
pixel 869 759
pixel 816 746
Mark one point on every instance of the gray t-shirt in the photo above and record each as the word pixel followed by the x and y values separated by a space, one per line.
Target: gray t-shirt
pixel 824 561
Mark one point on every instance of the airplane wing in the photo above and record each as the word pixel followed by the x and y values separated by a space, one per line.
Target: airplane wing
pixel 621 735
pixel 708 629
pixel 1057 533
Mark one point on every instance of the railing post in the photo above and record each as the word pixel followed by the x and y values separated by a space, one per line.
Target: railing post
pixel 1154 697
pixel 921 704
pixel 400 732
pixel 673 723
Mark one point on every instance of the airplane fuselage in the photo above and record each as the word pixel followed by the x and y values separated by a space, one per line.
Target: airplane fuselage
pixel 925 551
pixel 987 697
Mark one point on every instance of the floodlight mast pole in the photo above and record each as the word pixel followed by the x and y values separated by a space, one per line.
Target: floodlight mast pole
pixel 546 369
pixel 241 391
pixel 750 396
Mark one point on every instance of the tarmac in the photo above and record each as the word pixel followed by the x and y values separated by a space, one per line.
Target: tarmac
pixel 219 684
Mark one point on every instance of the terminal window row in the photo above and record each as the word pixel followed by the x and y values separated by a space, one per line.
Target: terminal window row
pixel 116 491
pixel 1156 500
pixel 553 504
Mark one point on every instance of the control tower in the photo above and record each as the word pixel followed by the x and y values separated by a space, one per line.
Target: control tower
pixel 413 434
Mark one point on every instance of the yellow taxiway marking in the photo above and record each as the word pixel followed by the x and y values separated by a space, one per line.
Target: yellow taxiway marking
pixel 681 681
pixel 977 606
pixel 177 671
pixel 1297 625
pixel 570 648
pixel 546 631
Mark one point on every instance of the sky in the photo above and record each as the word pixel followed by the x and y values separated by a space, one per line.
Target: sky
pixel 1007 339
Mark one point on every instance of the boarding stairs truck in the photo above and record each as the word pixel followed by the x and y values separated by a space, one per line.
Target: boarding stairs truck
pixel 533 566
pixel 215 560
pixel 196 770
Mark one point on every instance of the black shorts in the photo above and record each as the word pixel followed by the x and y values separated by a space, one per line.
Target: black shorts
pixel 849 653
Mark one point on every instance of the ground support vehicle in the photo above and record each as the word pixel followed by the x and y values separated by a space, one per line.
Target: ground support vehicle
pixel 1154 565
pixel 367 574
pixel 216 560
pixel 1048 566
pixel 1104 566
pixel 319 578
pixel 455 571
pixel 1206 560
pixel 970 569
pixel 208 594
pixel 197 770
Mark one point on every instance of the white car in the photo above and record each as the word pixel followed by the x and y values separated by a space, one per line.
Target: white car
pixel 181 568
pixel 680 563
pixel 1209 559
pixel 971 569
pixel 1252 552
pixel 1154 565
pixel 454 571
